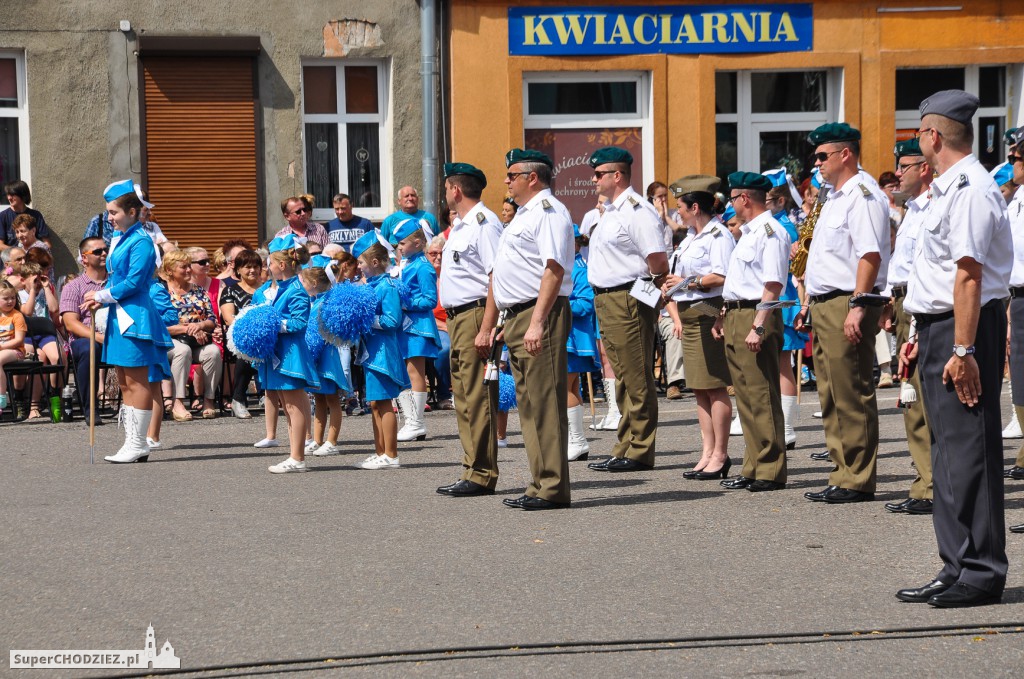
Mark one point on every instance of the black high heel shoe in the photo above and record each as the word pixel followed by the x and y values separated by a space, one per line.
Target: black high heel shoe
pixel 689 474
pixel 711 476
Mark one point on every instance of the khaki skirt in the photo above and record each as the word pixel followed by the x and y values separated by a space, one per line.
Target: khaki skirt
pixel 703 356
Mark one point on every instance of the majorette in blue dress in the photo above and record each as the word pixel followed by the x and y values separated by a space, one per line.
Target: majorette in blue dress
pixel 291 366
pixel 419 336
pixel 582 342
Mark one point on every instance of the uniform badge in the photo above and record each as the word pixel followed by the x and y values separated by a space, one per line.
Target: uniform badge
pixel 769 230
pixel 632 201
pixel 455 256
pixel 962 182
pixel 545 204
pixel 865 190
pixel 716 232
pixel 480 218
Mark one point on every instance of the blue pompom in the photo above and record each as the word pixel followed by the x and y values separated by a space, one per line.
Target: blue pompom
pixel 506 392
pixel 253 335
pixel 315 342
pixel 347 313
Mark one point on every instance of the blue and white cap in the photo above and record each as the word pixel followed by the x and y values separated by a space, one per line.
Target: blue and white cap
pixel 1002 173
pixel 286 242
pixel 123 188
pixel 368 239
pixel 405 229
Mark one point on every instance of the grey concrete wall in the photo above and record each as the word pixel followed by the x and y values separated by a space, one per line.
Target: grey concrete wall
pixel 84 103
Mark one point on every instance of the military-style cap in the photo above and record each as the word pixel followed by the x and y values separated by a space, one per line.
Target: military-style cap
pixel 451 169
pixel 953 104
pixel 526 156
pixel 907 147
pixel 693 183
pixel 1002 173
pixel 750 180
pixel 610 154
pixel 1014 136
pixel 830 133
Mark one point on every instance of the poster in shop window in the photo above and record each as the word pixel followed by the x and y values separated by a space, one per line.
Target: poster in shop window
pixel 570 150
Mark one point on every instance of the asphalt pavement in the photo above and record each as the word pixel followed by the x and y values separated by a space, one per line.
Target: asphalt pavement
pixel 345 572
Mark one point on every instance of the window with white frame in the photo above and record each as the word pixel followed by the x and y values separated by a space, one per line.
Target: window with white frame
pixel 992 85
pixel 344 114
pixel 14 160
pixel 569 115
pixel 762 118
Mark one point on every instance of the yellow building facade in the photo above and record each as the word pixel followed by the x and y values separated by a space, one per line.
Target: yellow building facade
pixel 571 77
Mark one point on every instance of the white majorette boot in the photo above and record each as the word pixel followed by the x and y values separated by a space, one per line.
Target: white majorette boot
pixel 611 419
pixel 136 424
pixel 789 412
pixel 1012 430
pixel 414 429
pixel 579 448
pixel 736 429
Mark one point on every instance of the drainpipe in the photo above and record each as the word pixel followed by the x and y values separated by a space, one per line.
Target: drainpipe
pixel 429 73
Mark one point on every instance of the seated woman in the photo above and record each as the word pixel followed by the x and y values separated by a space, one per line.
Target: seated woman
pixel 246 270
pixel 192 336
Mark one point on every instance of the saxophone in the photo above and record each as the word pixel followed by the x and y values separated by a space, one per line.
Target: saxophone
pixel 804 236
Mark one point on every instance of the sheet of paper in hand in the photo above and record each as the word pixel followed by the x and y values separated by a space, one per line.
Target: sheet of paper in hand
pixel 646 292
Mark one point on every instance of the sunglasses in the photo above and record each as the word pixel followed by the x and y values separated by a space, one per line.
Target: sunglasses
pixel 98 251
pixel 201 262
pixel 1012 158
pixel 903 167
pixel 920 133
pixel 512 175
pixel 300 211
pixel 822 156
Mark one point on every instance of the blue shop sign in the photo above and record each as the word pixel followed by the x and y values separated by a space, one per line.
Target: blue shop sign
pixel 677 29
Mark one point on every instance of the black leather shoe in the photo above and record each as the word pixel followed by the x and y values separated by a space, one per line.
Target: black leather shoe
pixel 1014 472
pixel 842 496
pixel 820 457
pixel 764 486
pixel 820 495
pixel 465 488
pixel 689 474
pixel 1019 528
pixel 791 445
pixel 962 595
pixel 739 483
pixel 898 507
pixel 601 466
pixel 532 504
pixel 517 503
pixel 722 472
pixel 921 595
pixel 919 507
pixel 624 464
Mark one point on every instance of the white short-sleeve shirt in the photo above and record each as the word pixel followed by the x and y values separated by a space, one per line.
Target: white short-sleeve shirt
pixel 906 241
pixel 700 254
pixel 761 256
pixel 540 231
pixel 628 231
pixel 966 217
pixel 1015 211
pixel 468 257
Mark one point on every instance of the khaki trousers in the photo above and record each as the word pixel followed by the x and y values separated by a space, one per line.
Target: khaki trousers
pixel 541 387
pixel 755 377
pixel 919 439
pixel 627 329
pixel 181 358
pixel 846 389
pixel 476 403
pixel 672 361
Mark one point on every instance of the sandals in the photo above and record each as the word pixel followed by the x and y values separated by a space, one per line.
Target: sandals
pixel 209 413
pixel 187 417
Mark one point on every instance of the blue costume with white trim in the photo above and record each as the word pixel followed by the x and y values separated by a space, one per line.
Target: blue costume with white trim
pixel 419 336
pixel 328 365
pixel 292 366
pixel 791 339
pixel 135 335
pixel 381 360
pixel 582 342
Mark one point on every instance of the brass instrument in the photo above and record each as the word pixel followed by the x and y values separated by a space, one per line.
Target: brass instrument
pixel 804 236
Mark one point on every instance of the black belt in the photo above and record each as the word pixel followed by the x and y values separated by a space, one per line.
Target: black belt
pixel 617 288
pixel 1016 292
pixel 454 311
pixel 515 309
pixel 818 299
pixel 924 319
pixel 713 301
pixel 742 304
pixel 899 291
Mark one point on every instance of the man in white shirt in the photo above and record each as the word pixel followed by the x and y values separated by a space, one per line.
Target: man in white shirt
pixel 531 279
pixel 957 287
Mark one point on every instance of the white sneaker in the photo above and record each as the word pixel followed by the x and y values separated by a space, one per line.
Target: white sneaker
pixel 1012 430
pixel 380 462
pixel 288 466
pixel 153 443
pixel 503 443
pixel 311 445
pixel 817 414
pixel 326 449
pixel 736 429
pixel 266 443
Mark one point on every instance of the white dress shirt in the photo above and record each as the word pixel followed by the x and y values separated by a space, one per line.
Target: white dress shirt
pixel 468 257
pixel 700 254
pixel 761 256
pixel 902 259
pixel 1015 210
pixel 628 231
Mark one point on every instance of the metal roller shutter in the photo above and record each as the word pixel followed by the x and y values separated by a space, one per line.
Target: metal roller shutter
pixel 201 150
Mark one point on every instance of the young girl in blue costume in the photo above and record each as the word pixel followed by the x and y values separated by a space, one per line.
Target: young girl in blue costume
pixel 287 375
pixel 136 340
pixel 382 361
pixel 419 339
pixel 317 279
pixel 582 349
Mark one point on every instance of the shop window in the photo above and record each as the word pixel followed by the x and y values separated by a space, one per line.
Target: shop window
pixel 762 118
pixel 568 115
pixel 344 115
pixel 989 83
pixel 14 162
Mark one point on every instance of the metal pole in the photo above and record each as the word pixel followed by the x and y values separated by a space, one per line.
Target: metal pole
pixel 429 74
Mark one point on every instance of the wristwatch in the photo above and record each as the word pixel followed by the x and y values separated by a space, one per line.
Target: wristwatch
pixel 758 330
pixel 960 350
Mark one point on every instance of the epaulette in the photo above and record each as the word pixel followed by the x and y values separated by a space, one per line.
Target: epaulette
pixel 716 232
pixel 769 230
pixel 633 202
pixel 480 219
pixel 865 190
pixel 962 181
pixel 545 204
